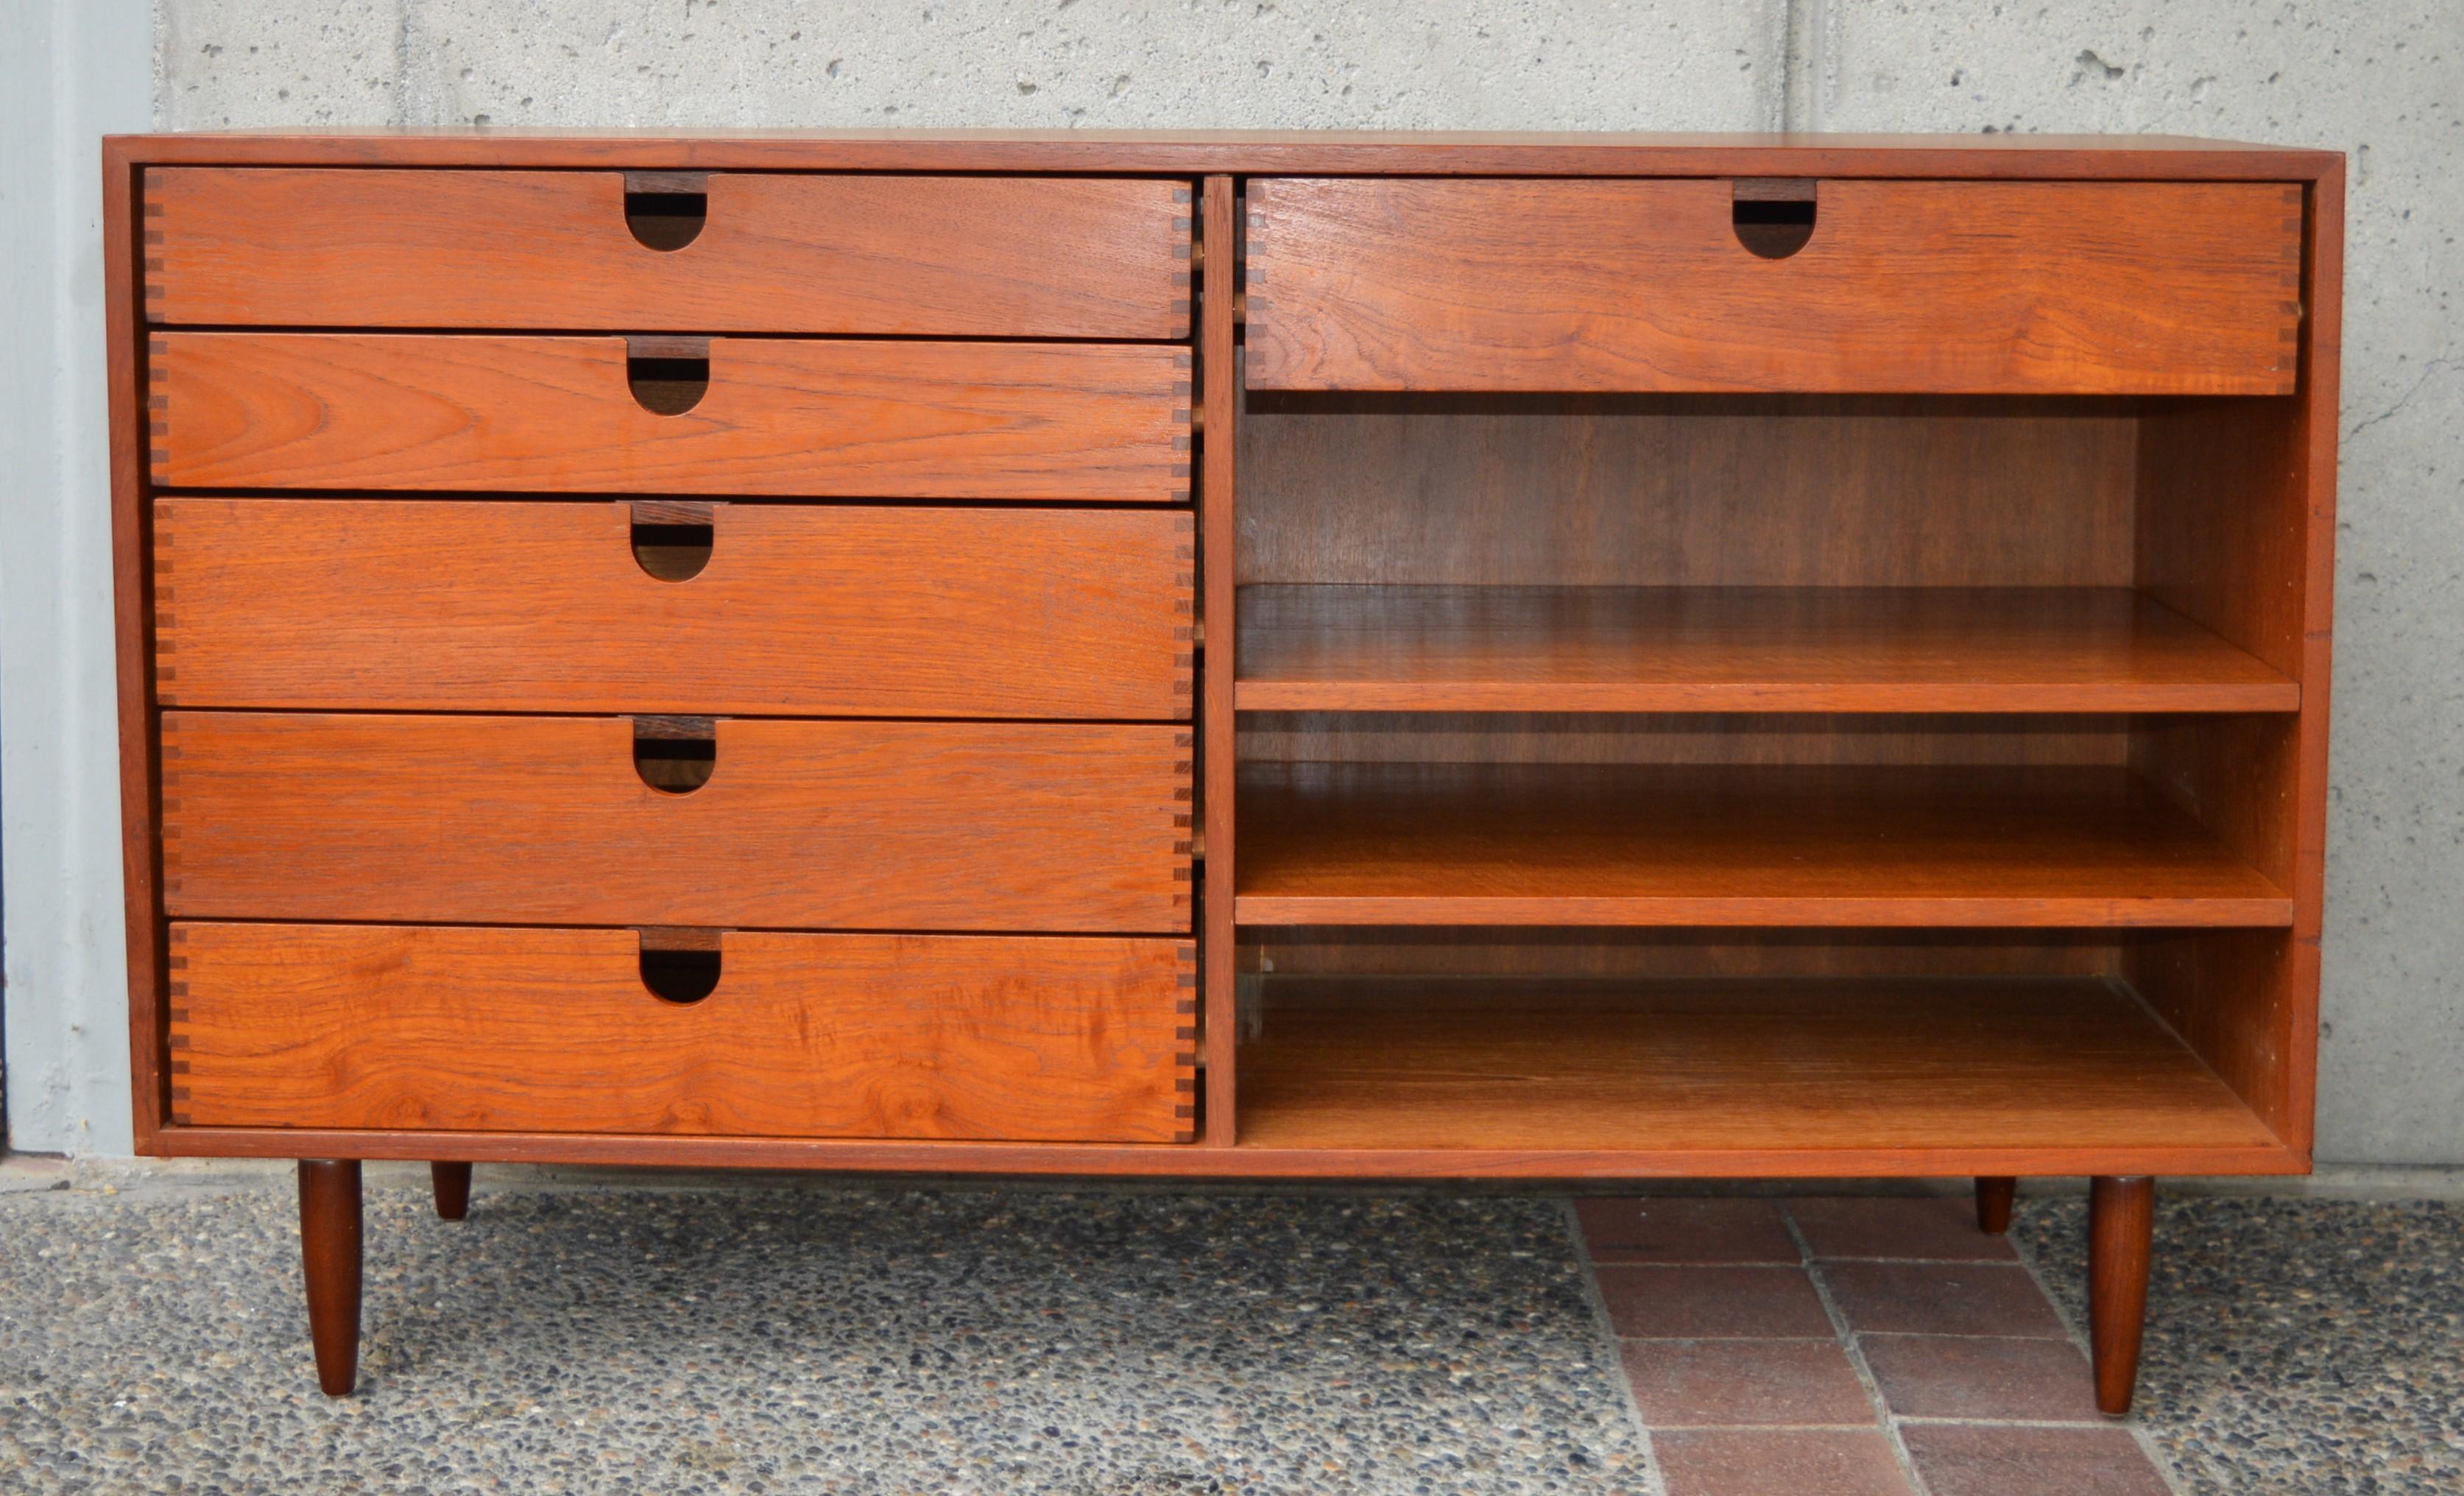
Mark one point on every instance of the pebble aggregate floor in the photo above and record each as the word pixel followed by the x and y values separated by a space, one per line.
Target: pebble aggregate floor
pixel 838 1340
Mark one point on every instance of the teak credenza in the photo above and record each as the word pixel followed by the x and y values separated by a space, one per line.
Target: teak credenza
pixel 1280 655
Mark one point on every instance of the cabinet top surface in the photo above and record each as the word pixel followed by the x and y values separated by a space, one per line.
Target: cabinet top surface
pixel 1566 153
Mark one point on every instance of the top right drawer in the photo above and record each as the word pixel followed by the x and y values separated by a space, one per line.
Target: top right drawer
pixel 1707 284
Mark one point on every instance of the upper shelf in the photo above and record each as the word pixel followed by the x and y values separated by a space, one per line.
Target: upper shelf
pixel 1554 843
pixel 1455 648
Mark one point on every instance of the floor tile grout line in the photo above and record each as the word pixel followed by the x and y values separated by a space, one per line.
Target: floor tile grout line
pixel 1969 1420
pixel 1856 1354
pixel 1822 1339
pixel 1725 1340
pixel 1870 1334
pixel 1653 1480
pixel 2062 1340
pixel 2134 1425
pixel 1835 1257
pixel 1763 1428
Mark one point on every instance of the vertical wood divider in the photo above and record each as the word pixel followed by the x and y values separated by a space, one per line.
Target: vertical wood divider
pixel 1218 386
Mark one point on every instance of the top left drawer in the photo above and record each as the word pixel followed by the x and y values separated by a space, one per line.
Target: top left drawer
pixel 669 251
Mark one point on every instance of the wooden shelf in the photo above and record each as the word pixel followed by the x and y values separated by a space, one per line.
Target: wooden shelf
pixel 1418 844
pixel 1462 648
pixel 1669 1071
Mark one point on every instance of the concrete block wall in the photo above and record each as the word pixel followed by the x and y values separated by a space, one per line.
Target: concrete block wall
pixel 68 74
pixel 2383 81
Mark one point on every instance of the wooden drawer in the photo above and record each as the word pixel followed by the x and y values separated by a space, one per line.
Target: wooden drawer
pixel 890 255
pixel 1949 287
pixel 474 606
pixel 1087 421
pixel 550 820
pixel 564 1030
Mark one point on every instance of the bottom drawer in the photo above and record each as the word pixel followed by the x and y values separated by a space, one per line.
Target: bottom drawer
pixel 1028 1038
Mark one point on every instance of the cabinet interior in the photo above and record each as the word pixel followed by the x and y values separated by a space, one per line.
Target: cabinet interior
pixel 2059 777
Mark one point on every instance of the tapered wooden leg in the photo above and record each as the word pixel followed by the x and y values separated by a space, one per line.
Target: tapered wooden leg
pixel 1994 1196
pixel 2121 1224
pixel 453 1182
pixel 329 1250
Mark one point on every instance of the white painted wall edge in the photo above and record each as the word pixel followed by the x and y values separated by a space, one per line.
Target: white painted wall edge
pixel 74 71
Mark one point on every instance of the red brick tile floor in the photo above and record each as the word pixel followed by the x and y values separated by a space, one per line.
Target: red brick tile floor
pixel 1866 1346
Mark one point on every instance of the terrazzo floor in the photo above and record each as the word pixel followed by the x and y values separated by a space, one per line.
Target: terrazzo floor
pixel 821 1337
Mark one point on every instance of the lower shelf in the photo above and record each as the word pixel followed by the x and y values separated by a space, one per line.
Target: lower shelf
pixel 1600 1079
pixel 1726 1066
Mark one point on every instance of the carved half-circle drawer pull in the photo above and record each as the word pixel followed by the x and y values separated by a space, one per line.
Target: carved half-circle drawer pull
pixel 680 966
pixel 676 754
pixel 672 538
pixel 668 375
pixel 666 210
pixel 1773 216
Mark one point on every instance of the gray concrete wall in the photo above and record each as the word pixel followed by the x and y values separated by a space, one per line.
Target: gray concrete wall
pixel 68 73
pixel 2381 80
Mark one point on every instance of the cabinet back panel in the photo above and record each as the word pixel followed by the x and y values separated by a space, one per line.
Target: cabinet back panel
pixel 1677 737
pixel 1686 491
pixel 1482 951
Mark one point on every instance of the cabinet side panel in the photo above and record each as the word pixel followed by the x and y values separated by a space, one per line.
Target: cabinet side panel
pixel 132 624
pixel 2246 1000
pixel 2236 529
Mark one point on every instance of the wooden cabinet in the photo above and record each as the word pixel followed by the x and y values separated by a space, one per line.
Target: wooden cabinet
pixel 1254 656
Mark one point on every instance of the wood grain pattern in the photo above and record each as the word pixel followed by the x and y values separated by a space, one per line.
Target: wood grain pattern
pixel 1802 1158
pixel 1937 741
pixel 806 1035
pixel 2046 288
pixel 132 617
pixel 1649 953
pixel 1678 1067
pixel 1076 422
pixel 1721 845
pixel 1337 649
pixel 1219 507
pixel 1686 491
pixel 963 257
pixel 461 606
pixel 867 825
